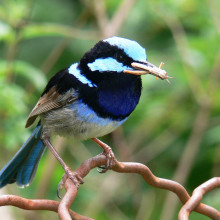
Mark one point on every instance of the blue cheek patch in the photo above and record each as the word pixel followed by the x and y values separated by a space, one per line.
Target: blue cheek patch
pixel 76 72
pixel 107 64
pixel 131 48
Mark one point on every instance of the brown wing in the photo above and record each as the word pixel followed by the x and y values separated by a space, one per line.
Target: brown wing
pixel 49 101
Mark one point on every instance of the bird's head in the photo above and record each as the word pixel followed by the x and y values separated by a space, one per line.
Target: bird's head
pixel 110 76
pixel 119 55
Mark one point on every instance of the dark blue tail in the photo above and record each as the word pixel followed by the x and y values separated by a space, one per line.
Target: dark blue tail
pixel 22 167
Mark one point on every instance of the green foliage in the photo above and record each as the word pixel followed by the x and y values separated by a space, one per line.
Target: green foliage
pixel 38 38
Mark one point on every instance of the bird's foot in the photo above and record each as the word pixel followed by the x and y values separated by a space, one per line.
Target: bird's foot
pixel 108 153
pixel 110 159
pixel 69 174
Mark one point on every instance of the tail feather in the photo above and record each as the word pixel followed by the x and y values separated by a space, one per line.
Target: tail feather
pixel 28 169
pixel 22 167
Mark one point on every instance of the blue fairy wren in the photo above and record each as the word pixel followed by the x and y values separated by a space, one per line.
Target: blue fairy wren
pixel 88 99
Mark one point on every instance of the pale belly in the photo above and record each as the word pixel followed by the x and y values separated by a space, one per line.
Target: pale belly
pixel 77 120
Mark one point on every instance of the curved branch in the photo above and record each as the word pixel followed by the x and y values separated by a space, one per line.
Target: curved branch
pixel 122 167
pixel 36 204
pixel 197 196
pixel 144 171
pixel 66 202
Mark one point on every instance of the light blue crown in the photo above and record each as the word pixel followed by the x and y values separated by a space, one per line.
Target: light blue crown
pixel 131 48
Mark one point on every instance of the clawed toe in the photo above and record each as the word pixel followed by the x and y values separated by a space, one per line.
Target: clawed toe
pixel 102 169
pixel 73 175
pixel 110 160
pixel 110 157
pixel 61 184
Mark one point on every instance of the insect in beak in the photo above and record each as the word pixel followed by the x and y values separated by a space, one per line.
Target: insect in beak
pixel 143 68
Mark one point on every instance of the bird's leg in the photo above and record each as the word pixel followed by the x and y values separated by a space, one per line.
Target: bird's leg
pixel 108 153
pixel 73 175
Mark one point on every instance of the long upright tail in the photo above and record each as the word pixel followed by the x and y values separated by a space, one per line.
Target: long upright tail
pixel 22 167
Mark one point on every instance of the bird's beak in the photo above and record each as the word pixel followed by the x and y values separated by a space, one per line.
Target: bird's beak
pixel 143 68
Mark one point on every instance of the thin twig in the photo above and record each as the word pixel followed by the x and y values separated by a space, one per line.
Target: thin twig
pixel 119 17
pixel 111 27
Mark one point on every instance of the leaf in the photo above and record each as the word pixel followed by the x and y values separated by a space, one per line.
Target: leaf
pixel 26 70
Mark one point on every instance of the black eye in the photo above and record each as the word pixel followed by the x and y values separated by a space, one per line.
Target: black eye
pixel 119 57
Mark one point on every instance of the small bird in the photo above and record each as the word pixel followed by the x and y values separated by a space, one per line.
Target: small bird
pixel 88 99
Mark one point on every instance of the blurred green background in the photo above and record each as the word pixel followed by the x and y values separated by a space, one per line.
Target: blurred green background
pixel 175 130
